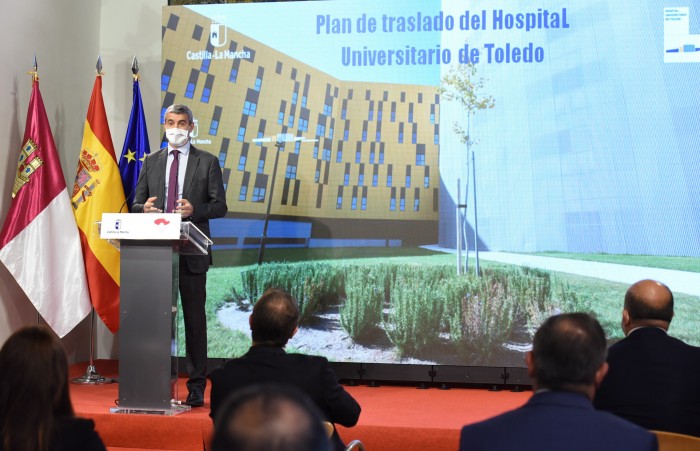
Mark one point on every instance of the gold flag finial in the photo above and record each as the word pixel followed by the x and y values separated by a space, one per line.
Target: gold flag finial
pixel 98 66
pixel 135 69
pixel 34 72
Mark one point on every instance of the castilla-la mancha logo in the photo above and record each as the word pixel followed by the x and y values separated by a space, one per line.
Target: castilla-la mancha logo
pixel 217 34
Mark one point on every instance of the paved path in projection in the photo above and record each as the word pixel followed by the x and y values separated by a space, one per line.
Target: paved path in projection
pixel 678 281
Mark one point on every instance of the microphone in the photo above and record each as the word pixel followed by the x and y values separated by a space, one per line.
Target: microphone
pixel 133 191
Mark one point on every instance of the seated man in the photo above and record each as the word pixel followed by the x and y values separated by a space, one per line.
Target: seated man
pixel 567 363
pixel 273 322
pixel 653 378
pixel 269 417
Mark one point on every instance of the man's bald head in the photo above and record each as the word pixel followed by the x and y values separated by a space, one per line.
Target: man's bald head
pixel 648 303
pixel 275 318
pixel 269 417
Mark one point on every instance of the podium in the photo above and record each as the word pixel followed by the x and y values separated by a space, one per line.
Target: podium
pixel 150 247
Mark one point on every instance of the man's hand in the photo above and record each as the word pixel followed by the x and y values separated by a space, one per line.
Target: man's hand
pixel 149 208
pixel 184 207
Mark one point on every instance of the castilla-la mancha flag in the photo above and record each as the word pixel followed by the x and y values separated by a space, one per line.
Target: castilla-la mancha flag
pixel 98 189
pixel 39 241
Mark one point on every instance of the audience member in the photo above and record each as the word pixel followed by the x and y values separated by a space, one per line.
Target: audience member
pixel 273 322
pixel 36 413
pixel 269 417
pixel 567 363
pixel 653 377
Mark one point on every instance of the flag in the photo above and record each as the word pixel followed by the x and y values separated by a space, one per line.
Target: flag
pixel 135 146
pixel 39 240
pixel 98 189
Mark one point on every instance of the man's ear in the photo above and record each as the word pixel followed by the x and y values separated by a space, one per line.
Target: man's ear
pixel 530 362
pixel 625 321
pixel 250 321
pixel 296 329
pixel 600 374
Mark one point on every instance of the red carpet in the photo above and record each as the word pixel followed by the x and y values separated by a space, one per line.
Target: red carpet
pixel 393 418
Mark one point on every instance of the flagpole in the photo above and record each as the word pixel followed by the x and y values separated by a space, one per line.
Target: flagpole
pixel 35 77
pixel 91 376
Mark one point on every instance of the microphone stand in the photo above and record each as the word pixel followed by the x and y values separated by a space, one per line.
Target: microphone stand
pixel 91 376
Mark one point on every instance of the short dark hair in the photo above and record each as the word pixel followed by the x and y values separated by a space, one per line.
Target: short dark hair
pixel 269 417
pixel 568 350
pixel 274 318
pixel 640 307
pixel 181 109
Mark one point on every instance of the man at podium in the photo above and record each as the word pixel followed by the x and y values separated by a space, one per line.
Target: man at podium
pixel 182 179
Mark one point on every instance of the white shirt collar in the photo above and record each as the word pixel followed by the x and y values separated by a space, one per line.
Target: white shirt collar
pixel 184 150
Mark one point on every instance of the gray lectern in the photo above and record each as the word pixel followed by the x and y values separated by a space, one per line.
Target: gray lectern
pixel 148 310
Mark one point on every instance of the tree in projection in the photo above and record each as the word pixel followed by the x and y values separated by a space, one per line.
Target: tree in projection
pixel 462 85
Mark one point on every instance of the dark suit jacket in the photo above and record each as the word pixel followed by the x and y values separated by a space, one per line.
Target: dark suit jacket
pixel 203 188
pixel 653 381
pixel 310 374
pixel 556 421
pixel 75 434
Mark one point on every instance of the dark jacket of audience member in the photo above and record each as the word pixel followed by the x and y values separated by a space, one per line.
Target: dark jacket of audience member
pixel 269 417
pixel 273 322
pixel 567 363
pixel 653 377
pixel 36 413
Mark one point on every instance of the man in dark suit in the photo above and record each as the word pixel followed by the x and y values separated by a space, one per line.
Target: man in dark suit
pixel 653 378
pixel 182 179
pixel 273 322
pixel 567 363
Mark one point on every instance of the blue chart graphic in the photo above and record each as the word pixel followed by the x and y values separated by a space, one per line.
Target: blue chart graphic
pixel 685 49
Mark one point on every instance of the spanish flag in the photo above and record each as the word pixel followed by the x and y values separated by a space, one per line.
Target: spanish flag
pixel 39 240
pixel 98 189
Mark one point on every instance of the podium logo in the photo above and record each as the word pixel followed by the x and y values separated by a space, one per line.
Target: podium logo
pixel 161 221
pixel 118 224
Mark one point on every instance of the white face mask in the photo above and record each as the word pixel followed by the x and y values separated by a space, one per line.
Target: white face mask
pixel 177 137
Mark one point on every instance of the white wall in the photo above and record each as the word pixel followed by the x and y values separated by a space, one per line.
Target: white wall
pixel 67 37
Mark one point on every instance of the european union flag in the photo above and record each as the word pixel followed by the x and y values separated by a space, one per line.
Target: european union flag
pixel 136 146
